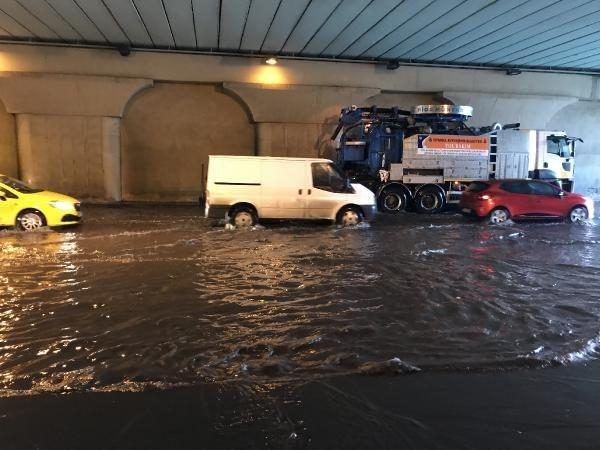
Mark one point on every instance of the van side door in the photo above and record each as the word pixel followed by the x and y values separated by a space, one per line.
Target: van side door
pixel 329 191
pixel 283 189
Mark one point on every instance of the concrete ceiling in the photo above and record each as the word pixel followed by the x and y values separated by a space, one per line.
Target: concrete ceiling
pixel 547 34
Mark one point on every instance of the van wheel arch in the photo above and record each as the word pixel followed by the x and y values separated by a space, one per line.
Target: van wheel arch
pixel 242 207
pixel 349 207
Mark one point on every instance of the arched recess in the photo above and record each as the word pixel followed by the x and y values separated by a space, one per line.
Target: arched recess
pixel 8 143
pixel 168 132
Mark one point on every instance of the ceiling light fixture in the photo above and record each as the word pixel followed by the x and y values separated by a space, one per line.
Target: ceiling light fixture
pixel 271 60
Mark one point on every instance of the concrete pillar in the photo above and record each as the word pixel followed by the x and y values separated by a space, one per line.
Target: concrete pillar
pixel 111 158
pixel 8 143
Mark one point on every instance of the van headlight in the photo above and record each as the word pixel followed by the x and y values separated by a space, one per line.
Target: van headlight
pixel 65 206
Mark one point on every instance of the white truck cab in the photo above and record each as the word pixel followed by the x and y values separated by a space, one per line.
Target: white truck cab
pixel 537 151
pixel 244 189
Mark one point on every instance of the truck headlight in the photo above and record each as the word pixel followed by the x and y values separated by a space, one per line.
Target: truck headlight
pixel 65 206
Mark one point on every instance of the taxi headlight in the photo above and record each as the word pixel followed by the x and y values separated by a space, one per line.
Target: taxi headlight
pixel 65 206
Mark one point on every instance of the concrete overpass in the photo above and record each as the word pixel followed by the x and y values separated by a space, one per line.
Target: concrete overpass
pixel 113 99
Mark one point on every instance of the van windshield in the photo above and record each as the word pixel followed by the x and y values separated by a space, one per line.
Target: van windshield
pixel 17 185
pixel 328 177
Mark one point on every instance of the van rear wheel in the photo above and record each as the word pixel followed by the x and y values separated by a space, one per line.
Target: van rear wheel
pixel 243 217
pixel 349 216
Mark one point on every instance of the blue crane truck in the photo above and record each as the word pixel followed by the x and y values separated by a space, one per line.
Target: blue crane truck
pixel 423 159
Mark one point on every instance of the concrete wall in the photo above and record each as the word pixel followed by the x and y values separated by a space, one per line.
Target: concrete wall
pixel 8 143
pixel 169 131
pixel 149 143
pixel 69 154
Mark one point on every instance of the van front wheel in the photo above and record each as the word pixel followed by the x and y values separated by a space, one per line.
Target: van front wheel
pixel 243 217
pixel 349 216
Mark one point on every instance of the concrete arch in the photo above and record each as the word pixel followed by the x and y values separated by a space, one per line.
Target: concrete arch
pixel 167 133
pixel 8 143
pixel 404 100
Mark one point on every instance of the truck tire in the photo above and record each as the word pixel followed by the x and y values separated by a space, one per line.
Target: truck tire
pixel 392 200
pixel 429 200
pixel 243 217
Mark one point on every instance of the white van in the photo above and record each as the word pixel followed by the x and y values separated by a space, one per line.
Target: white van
pixel 244 189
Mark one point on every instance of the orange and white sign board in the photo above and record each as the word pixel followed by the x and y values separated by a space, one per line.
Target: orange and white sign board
pixel 443 144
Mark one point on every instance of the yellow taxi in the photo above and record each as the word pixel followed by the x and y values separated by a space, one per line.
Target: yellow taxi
pixel 29 209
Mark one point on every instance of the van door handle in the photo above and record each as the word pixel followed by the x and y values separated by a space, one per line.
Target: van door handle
pixel 309 192
pixel 299 191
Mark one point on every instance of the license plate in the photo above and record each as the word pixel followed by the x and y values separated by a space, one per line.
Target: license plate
pixel 466 210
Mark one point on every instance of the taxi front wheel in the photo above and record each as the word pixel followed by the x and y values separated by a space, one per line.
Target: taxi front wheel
pixel 30 221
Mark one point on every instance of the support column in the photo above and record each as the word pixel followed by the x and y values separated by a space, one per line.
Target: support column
pixel 8 144
pixel 111 158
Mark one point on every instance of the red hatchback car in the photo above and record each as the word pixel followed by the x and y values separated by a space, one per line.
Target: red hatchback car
pixel 523 199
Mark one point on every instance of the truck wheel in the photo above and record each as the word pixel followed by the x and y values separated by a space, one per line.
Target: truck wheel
pixel 349 216
pixel 243 217
pixel 429 201
pixel 392 200
pixel 578 214
pixel 30 221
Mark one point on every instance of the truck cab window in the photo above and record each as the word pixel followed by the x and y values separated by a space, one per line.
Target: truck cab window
pixel 327 177
pixel 558 146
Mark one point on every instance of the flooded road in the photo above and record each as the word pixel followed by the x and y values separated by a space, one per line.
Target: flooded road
pixel 157 296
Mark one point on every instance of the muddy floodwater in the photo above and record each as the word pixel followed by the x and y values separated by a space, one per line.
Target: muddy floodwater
pixel 142 297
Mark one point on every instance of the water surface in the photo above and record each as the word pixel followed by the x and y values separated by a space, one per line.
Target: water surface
pixel 139 297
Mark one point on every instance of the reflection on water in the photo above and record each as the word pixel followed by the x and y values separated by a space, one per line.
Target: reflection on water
pixel 157 296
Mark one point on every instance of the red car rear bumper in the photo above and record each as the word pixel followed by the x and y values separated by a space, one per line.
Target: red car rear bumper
pixel 478 208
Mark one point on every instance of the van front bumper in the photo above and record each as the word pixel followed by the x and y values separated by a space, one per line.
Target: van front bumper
pixel 369 211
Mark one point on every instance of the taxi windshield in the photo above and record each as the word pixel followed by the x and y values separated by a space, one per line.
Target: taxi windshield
pixel 17 185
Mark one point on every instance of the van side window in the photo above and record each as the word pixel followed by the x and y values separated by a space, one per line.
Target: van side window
pixel 326 176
